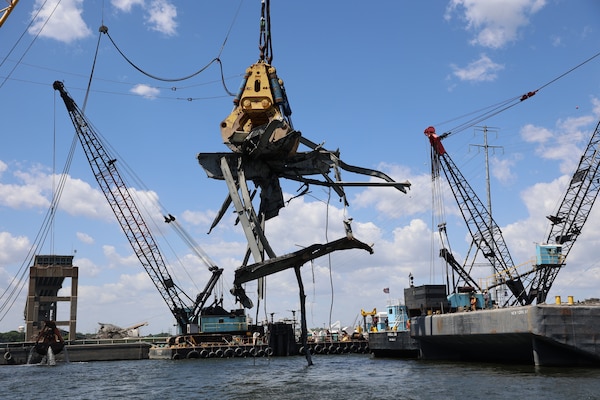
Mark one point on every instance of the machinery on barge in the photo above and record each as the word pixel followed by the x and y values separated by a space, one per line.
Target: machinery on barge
pixel 475 323
pixel 264 149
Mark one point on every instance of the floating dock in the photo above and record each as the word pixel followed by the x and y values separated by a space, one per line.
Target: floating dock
pixel 227 350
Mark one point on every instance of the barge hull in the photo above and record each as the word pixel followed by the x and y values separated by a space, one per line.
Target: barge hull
pixel 393 344
pixel 112 350
pixel 542 335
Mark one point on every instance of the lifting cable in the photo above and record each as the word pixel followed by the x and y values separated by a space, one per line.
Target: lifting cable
pixel 217 59
pixel 492 110
pixel 10 298
pixel 264 41
pixel 196 249
pixel 12 292
pixel 506 104
pixel 32 42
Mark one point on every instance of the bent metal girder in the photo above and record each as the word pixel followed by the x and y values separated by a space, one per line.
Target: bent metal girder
pixel 264 146
pixel 265 173
pixel 296 259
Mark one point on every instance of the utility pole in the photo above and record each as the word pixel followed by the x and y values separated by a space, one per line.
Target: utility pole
pixel 486 148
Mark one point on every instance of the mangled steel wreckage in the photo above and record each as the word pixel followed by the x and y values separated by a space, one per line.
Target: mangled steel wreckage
pixel 264 148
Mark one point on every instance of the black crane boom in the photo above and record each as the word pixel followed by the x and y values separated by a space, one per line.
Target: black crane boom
pixel 574 210
pixel 127 213
pixel 483 229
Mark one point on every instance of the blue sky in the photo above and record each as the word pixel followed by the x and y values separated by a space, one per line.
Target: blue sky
pixel 366 79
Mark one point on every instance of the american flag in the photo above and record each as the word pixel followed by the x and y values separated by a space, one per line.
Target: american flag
pixel 386 290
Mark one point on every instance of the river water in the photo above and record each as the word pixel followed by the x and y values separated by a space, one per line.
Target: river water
pixel 347 376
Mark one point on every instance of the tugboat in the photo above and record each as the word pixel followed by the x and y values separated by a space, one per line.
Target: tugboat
pixel 389 332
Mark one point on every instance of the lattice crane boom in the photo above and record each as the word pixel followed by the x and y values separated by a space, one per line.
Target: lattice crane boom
pixel 568 221
pixel 483 229
pixel 127 213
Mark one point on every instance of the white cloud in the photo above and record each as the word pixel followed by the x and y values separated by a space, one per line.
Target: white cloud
pixel 59 20
pixel 18 196
pixel 126 5
pixel 565 143
pixel 480 70
pixel 87 268
pixel 502 168
pixel 556 41
pixel 12 249
pixel 198 217
pixel 495 22
pixel 534 134
pixel 116 260
pixel 146 91
pixel 393 203
pixel 160 15
pixel 85 238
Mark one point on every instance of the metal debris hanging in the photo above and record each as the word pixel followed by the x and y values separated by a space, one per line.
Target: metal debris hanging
pixel 264 148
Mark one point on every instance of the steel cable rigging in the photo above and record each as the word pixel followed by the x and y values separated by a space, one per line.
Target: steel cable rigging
pixel 32 42
pixel 11 293
pixel 495 109
pixel 104 29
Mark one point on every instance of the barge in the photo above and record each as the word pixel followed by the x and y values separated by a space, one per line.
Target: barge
pixel 19 353
pixel 278 340
pixel 548 335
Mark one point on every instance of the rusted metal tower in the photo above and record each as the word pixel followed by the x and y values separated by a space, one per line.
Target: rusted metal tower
pixel 46 278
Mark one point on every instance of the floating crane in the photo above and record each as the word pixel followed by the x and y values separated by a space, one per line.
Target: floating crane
pixel 133 225
pixel 485 232
pixel 568 221
pixel 566 225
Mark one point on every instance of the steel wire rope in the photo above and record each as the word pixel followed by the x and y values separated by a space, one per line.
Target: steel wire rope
pixel 187 239
pixel 104 29
pixel 264 40
pixel 509 103
pixel 312 262
pixel 329 266
pixel 104 142
pixel 112 153
pixel 34 39
pixel 48 222
pixel 131 175
pixel 41 235
pixel 172 88
pixel 14 46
